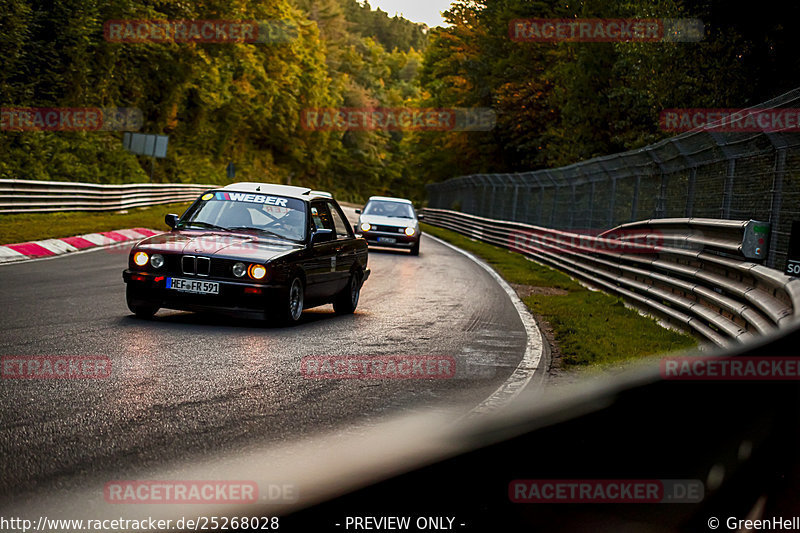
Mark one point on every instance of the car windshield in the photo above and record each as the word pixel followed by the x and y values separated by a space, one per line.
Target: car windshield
pixel 389 209
pixel 275 216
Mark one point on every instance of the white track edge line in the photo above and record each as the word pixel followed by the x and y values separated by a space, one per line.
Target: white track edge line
pixel 534 350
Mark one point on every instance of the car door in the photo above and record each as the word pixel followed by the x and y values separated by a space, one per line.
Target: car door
pixel 346 246
pixel 321 275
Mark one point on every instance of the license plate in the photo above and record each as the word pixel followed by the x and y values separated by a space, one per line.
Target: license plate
pixel 387 240
pixel 193 285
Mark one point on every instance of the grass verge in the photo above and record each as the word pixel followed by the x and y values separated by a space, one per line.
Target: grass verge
pixel 590 328
pixel 25 227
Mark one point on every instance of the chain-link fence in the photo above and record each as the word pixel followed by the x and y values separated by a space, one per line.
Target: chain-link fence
pixel 703 173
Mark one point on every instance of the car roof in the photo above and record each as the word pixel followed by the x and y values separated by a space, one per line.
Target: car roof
pixel 390 199
pixel 301 193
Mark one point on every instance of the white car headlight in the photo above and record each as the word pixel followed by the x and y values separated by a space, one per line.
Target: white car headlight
pixel 239 270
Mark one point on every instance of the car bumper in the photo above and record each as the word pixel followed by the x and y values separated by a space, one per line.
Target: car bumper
pixel 379 239
pixel 147 289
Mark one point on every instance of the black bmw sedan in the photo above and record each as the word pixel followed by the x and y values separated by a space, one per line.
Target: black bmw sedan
pixel 260 250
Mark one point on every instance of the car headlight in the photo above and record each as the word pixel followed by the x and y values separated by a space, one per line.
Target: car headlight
pixel 157 261
pixel 140 258
pixel 410 231
pixel 239 270
pixel 365 226
pixel 257 271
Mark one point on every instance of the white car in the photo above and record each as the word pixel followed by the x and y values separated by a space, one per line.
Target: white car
pixel 390 222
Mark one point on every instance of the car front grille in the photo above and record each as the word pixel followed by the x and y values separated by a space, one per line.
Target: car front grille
pixel 215 267
pixel 199 266
pixel 388 229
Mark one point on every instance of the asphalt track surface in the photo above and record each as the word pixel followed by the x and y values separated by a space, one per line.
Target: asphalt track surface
pixel 187 386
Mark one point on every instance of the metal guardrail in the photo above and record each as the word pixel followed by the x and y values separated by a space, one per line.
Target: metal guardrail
pixel 748 239
pixel 703 173
pixel 31 196
pixel 691 272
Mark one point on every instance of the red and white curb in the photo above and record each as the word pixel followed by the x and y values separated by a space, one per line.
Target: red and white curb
pixel 53 247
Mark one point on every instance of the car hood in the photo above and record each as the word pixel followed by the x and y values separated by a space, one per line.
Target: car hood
pixel 378 220
pixel 210 243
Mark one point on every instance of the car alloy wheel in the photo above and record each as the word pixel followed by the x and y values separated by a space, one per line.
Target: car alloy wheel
pixel 296 300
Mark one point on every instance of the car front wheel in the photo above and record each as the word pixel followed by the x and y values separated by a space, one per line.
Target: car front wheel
pixel 291 308
pixel 141 311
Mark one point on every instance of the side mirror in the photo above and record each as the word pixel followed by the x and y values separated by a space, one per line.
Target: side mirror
pixel 171 220
pixel 321 235
pixel 358 211
pixel 420 216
